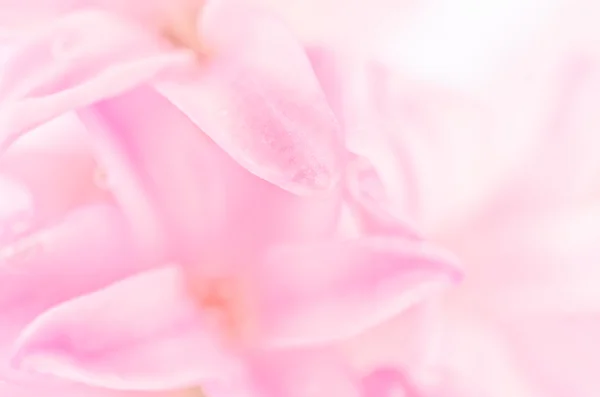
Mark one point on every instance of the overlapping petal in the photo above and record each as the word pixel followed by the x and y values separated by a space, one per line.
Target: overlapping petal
pixel 205 199
pixel 91 245
pixel 330 291
pixel 256 96
pixel 121 337
pixel 238 163
pixel 55 165
pixel 78 59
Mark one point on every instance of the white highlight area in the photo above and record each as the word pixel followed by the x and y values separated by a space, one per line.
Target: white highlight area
pixel 460 42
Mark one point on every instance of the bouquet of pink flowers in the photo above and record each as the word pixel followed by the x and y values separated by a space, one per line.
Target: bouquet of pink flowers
pixel 231 198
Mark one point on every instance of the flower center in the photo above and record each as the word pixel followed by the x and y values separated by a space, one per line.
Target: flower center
pixel 226 300
pixel 181 27
pixel 193 392
pixel 101 179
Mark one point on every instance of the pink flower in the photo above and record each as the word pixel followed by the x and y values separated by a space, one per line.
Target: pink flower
pixel 241 240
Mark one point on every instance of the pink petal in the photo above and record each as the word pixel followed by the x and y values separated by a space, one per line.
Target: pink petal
pixel 134 149
pixel 64 390
pixel 57 182
pixel 20 16
pixel 127 337
pixel 88 249
pixel 16 208
pixel 388 382
pixel 379 180
pixel 48 264
pixel 370 201
pixel 206 200
pixel 56 167
pixel 256 96
pixel 410 342
pixel 423 141
pixel 303 373
pixel 16 16
pixel 330 291
pixel 354 90
pixel 64 134
pixel 75 61
pixel 435 137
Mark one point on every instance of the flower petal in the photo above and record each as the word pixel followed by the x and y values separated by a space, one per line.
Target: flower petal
pixel 369 199
pixel 19 16
pixel 91 245
pixel 54 389
pixel 57 167
pixel 354 90
pixel 388 381
pixel 303 373
pixel 207 201
pixel 41 267
pixel 127 337
pixel 16 207
pixel 80 58
pixel 330 291
pixel 257 97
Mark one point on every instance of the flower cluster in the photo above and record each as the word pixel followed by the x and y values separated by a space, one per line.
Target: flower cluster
pixel 195 201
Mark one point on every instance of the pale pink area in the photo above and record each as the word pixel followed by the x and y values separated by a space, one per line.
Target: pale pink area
pixel 513 191
pixel 351 24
